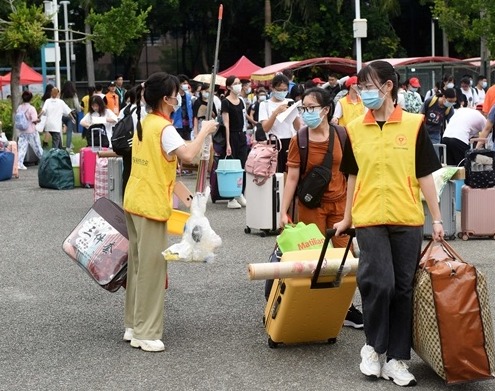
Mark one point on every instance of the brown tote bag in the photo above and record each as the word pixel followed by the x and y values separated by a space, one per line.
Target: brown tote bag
pixel 452 323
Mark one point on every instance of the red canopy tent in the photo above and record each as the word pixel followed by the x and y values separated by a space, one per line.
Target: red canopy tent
pixel 243 69
pixel 28 76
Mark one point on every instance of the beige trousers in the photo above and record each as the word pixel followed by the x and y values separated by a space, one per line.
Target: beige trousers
pixel 146 270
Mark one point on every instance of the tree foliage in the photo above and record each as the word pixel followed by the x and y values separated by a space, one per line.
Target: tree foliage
pixel 112 30
pixel 22 29
pixel 465 21
pixel 317 28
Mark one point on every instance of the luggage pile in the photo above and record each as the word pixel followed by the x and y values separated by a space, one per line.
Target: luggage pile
pixel 478 195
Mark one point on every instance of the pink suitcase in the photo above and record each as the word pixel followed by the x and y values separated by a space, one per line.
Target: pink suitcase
pixel 477 213
pixel 13 148
pixel 88 166
pixel 101 179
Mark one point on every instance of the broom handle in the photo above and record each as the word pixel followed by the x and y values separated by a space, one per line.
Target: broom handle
pixel 205 154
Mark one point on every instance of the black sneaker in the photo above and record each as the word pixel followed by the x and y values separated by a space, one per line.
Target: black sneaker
pixel 354 318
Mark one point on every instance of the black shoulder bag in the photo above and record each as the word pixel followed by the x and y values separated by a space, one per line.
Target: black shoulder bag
pixel 312 187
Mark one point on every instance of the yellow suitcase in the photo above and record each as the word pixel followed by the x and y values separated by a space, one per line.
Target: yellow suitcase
pixel 311 309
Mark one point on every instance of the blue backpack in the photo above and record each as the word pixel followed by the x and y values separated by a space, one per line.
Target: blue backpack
pixel 20 120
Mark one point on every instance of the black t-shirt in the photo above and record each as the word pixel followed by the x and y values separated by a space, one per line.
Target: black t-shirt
pixel 426 157
pixel 199 109
pixel 236 115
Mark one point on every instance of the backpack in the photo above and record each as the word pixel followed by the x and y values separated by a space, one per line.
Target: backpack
pixel 123 131
pixel 433 101
pixel 262 160
pixel 20 120
pixel 302 143
pixel 411 103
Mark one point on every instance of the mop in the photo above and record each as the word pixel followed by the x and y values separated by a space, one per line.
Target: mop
pixel 199 240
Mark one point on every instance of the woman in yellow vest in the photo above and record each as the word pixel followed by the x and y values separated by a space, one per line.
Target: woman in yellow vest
pixel 389 158
pixel 350 106
pixel 147 203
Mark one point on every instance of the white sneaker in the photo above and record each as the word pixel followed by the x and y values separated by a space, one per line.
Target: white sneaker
pixel 370 363
pixel 128 335
pixel 21 167
pixel 396 370
pixel 233 204
pixel 148 345
pixel 241 200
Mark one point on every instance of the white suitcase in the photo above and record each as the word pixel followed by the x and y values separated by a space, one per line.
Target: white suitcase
pixel 263 204
pixel 115 180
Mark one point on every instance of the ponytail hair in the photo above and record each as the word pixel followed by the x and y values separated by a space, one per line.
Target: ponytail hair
pixel 153 90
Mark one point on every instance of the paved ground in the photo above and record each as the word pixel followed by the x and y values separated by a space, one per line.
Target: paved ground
pixel 60 331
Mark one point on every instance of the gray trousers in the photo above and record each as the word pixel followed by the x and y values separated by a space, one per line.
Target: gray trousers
pixel 387 264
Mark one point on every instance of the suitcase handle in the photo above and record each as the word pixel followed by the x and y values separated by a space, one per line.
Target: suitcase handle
pixel 338 278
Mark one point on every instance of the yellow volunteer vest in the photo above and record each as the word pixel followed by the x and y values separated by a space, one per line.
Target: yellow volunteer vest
pixel 387 190
pixel 350 110
pixel 149 190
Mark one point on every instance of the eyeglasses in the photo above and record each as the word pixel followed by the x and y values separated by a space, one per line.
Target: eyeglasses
pixel 308 109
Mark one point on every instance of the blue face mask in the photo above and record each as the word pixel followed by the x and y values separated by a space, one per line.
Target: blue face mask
pixel 279 95
pixel 448 104
pixel 371 99
pixel 413 89
pixel 484 84
pixel 313 120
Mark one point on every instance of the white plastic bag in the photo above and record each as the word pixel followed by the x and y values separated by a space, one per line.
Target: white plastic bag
pixel 40 126
pixel 199 241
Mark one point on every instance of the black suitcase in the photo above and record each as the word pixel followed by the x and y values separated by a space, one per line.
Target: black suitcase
pixel 214 193
pixel 31 159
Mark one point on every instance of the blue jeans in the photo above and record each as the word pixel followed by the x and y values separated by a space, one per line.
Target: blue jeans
pixel 387 264
pixel 434 137
pixel 67 121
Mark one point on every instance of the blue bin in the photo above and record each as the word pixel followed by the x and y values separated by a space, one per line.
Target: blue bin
pixel 229 177
pixel 458 194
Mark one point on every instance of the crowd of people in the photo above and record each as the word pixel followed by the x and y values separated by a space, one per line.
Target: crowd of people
pixel 374 107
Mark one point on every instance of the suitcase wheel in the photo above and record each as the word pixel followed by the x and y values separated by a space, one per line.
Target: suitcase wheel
pixel 263 234
pixel 463 236
pixel 271 344
pixel 331 341
pixel 247 230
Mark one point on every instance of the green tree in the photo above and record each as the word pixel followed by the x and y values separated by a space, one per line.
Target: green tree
pixel 317 28
pixel 21 32
pixel 465 22
pixel 119 27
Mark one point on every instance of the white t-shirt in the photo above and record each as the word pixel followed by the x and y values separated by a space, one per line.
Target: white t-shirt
pixel 471 97
pixel 481 95
pixel 171 139
pixel 283 129
pixel 55 109
pixel 464 124
pixel 96 118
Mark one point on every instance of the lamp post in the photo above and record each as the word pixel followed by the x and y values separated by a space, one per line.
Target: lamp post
pixel 360 31
pixel 72 55
pixel 66 3
pixel 51 10
pixel 433 48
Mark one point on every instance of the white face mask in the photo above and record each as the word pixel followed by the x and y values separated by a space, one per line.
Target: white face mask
pixel 450 85
pixel 262 98
pixel 236 89
pixel 185 87
pixel 205 95
pixel 179 102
